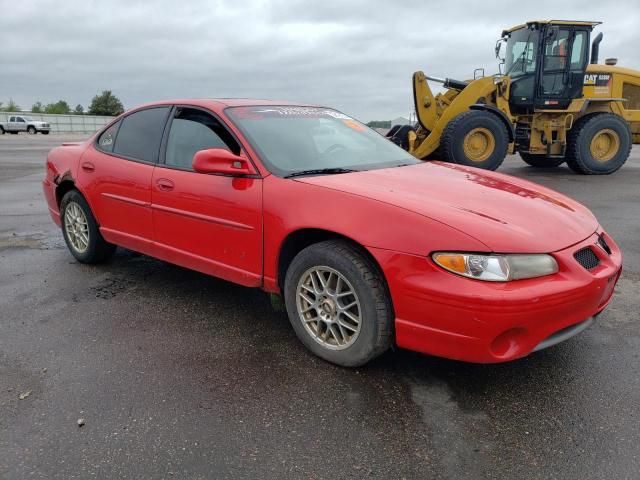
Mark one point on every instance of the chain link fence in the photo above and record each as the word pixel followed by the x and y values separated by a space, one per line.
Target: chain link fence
pixel 64 123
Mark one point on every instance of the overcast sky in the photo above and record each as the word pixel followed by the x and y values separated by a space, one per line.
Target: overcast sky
pixel 357 56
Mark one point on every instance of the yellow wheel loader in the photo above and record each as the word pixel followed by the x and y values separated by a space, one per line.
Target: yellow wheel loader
pixel 553 104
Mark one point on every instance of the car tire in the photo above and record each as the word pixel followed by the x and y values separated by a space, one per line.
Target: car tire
pixel 353 284
pixel 598 144
pixel 31 130
pixel 1 130
pixel 476 138
pixel 540 161
pixel 81 232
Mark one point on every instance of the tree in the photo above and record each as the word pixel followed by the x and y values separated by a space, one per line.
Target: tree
pixel 79 110
pixel 36 107
pixel 12 106
pixel 60 107
pixel 106 104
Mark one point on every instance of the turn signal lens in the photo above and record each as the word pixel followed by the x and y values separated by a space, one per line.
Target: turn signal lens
pixel 496 268
pixel 452 261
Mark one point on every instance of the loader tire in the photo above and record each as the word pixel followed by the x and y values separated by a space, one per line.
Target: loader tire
pixel 540 161
pixel 476 138
pixel 598 144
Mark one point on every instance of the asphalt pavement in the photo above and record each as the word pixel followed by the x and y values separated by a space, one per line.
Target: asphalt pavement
pixel 180 375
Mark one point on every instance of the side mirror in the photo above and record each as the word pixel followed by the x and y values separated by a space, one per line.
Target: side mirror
pixel 221 161
pixel 499 48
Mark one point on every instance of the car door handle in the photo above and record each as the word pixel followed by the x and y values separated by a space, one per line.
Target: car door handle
pixel 164 184
pixel 88 166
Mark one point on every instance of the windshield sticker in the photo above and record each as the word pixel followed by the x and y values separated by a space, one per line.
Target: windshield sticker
pixel 358 127
pixel 283 112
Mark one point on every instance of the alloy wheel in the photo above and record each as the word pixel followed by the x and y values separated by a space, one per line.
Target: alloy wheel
pixel 77 227
pixel 328 307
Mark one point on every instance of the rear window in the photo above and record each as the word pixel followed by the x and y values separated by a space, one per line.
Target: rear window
pixel 140 134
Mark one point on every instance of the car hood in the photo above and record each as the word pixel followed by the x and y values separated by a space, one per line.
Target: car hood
pixel 505 213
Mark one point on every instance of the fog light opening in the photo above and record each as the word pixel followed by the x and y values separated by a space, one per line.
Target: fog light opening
pixel 509 344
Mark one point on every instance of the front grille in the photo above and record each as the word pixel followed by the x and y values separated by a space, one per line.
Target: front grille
pixel 587 258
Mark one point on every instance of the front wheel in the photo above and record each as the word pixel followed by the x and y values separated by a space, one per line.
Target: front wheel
pixel 32 130
pixel 476 138
pixel 540 161
pixel 81 232
pixel 338 303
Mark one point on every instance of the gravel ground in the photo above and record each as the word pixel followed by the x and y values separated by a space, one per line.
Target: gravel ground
pixel 180 375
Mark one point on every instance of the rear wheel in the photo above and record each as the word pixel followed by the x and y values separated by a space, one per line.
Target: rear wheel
pixel 32 130
pixel 475 138
pixel 598 144
pixel 1 130
pixel 80 230
pixel 540 161
pixel 338 303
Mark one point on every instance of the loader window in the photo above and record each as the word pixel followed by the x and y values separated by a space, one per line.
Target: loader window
pixel 521 52
pixel 555 51
pixel 578 54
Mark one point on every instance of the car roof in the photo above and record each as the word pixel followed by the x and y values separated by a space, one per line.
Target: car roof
pixel 221 103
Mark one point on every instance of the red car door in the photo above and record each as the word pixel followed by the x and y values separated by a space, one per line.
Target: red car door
pixel 210 223
pixel 115 175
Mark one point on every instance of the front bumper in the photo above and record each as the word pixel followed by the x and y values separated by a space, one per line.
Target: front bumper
pixel 446 315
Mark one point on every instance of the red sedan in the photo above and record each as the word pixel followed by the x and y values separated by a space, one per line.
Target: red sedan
pixel 367 245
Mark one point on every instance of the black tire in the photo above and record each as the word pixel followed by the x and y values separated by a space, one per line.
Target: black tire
pixel 98 249
pixel 401 136
pixel 31 130
pixel 579 156
pixel 540 161
pixel 454 134
pixel 1 130
pixel 376 325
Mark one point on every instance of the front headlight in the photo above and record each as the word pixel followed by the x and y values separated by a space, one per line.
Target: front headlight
pixel 496 268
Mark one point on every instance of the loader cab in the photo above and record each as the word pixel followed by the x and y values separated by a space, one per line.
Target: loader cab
pixel 546 62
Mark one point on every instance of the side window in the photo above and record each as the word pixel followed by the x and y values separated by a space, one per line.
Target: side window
pixel 578 52
pixel 108 138
pixel 140 134
pixel 20 120
pixel 12 119
pixel 193 130
pixel 555 51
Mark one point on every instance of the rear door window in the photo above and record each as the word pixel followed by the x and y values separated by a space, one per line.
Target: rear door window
pixel 140 134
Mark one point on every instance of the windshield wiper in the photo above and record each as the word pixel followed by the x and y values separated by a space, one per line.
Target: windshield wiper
pixel 321 171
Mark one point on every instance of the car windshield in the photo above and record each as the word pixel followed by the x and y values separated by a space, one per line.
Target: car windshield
pixel 292 140
pixel 521 52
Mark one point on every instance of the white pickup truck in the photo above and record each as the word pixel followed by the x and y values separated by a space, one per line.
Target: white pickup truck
pixel 22 123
